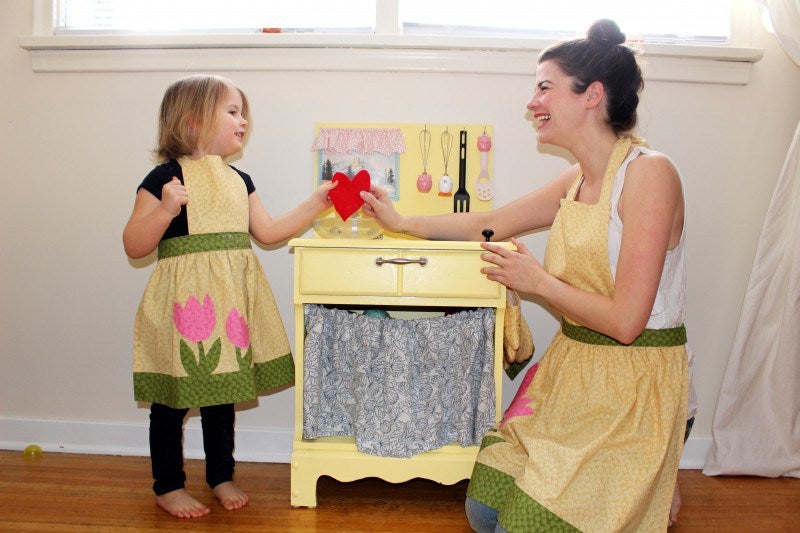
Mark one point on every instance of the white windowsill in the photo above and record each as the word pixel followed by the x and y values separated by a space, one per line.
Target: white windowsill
pixel 357 53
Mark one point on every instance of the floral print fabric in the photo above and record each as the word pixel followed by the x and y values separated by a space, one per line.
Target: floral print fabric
pixel 400 387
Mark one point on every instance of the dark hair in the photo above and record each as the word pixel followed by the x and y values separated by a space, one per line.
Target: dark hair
pixel 602 56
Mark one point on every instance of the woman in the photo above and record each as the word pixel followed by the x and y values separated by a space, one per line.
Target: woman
pixel 593 440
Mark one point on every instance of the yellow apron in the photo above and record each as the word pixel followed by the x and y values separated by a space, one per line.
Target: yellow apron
pixel 593 438
pixel 208 331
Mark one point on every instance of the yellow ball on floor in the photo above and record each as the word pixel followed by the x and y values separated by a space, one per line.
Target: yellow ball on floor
pixel 32 451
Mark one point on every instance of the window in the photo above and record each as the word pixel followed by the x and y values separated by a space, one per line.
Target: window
pixel 212 16
pixel 705 21
pixel 645 20
pixel 697 41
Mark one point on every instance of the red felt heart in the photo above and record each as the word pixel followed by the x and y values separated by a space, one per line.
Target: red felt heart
pixel 346 196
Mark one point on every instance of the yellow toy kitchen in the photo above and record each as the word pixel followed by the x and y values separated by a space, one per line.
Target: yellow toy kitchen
pixel 398 340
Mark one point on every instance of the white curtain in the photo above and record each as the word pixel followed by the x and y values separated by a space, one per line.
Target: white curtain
pixel 756 429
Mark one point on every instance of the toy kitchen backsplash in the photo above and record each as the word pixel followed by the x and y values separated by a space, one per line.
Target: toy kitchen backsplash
pixel 426 169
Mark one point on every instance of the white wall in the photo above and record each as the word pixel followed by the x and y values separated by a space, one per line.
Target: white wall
pixel 75 146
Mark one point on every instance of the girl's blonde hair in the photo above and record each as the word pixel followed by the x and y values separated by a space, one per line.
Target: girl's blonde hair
pixel 187 118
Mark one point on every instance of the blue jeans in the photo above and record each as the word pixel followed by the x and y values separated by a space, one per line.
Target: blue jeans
pixel 482 518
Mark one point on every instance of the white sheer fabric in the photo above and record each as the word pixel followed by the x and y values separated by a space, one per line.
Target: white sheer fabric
pixel 756 429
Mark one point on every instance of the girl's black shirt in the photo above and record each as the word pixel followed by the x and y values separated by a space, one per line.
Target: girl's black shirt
pixel 160 176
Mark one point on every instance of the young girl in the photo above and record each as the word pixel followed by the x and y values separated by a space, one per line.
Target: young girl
pixel 207 332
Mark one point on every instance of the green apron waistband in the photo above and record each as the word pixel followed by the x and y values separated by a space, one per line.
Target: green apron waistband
pixel 649 337
pixel 204 242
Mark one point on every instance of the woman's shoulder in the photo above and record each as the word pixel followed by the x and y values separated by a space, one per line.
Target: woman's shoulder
pixel 648 161
pixel 651 169
pixel 647 156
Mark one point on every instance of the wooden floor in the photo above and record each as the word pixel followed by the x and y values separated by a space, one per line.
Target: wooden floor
pixel 67 492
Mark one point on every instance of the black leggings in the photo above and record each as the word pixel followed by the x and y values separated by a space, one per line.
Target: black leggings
pixel 166 445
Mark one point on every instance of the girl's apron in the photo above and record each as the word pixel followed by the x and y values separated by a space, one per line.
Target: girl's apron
pixel 594 435
pixel 208 331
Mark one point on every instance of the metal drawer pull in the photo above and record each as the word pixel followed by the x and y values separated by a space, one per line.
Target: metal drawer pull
pixel 401 261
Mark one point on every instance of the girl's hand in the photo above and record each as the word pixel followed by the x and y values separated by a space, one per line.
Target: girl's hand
pixel 173 196
pixel 378 205
pixel 516 269
pixel 320 196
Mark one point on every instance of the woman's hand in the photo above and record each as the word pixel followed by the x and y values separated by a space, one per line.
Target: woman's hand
pixel 378 205
pixel 516 269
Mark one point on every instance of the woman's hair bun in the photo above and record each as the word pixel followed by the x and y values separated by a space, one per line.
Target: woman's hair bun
pixel 605 31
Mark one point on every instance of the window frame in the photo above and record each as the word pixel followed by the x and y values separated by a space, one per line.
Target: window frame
pixel 384 51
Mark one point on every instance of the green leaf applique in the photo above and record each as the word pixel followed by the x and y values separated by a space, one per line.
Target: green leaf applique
pixel 210 360
pixel 188 359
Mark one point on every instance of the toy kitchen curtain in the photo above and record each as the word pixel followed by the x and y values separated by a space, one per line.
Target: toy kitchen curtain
pixel 363 140
pixel 400 387
pixel 756 428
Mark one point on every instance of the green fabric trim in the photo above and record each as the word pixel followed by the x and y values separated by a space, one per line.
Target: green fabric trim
pixel 649 337
pixel 522 514
pixel 215 389
pixel 203 242
pixel 518 511
pixel 275 373
pixel 489 486
pixel 488 440
pixel 515 368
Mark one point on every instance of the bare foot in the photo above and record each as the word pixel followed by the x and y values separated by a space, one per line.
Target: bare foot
pixel 676 505
pixel 230 495
pixel 179 503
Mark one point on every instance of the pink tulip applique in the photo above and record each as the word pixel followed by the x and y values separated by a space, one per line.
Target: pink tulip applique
pixel 519 405
pixel 239 335
pixel 196 322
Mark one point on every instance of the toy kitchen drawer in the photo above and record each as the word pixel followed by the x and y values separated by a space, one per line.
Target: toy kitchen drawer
pixel 392 272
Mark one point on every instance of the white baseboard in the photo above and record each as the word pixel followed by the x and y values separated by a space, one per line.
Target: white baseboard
pixel 263 445
pixel 694 453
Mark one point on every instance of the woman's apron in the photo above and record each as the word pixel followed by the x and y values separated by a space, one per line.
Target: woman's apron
pixel 593 438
